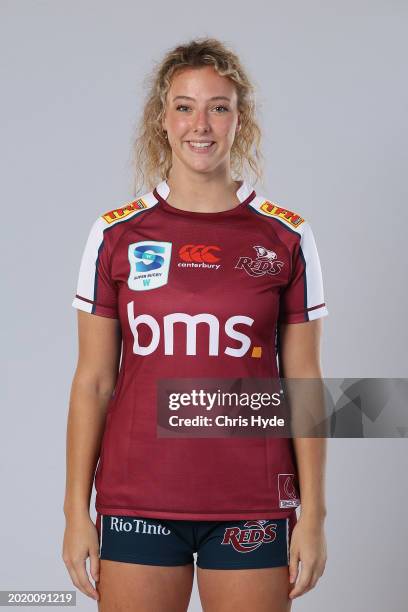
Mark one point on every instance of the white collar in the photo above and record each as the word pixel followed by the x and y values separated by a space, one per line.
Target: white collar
pixel 242 193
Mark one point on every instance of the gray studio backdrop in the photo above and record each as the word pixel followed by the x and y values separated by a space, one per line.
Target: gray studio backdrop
pixel 332 104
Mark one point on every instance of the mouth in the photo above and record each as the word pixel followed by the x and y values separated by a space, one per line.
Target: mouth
pixel 201 146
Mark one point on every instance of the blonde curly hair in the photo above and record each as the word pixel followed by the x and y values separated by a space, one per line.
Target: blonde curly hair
pixel 152 155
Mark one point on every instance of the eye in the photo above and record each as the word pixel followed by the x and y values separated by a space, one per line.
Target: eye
pixel 223 107
pixel 181 106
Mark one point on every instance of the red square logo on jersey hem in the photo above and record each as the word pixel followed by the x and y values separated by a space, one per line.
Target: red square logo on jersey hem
pixel 288 495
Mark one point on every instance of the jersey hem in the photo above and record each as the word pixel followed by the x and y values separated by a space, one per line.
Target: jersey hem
pixel 197 516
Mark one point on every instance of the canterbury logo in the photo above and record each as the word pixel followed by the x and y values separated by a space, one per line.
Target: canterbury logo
pixel 199 253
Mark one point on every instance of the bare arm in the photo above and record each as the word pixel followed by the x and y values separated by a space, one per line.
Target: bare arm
pixel 300 358
pixel 92 387
pixel 93 383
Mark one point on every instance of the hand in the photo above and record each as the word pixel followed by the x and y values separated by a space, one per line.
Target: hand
pixel 308 545
pixel 80 541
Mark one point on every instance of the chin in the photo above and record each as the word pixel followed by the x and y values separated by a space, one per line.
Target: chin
pixel 204 168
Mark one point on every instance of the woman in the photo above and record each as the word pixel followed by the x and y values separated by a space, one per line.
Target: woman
pixel 195 278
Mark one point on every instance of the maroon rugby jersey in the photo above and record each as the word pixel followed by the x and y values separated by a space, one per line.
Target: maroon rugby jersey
pixel 197 295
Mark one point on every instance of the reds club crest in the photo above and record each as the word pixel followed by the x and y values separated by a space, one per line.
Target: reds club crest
pixel 288 491
pixel 266 262
pixel 251 537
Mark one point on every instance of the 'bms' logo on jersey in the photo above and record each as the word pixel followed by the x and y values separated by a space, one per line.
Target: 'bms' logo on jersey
pixel 149 264
pixel 266 262
pixel 250 538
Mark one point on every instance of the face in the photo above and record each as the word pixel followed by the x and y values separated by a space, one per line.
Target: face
pixel 201 119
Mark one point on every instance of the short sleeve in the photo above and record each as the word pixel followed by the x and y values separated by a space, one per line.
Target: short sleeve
pixel 96 291
pixel 303 298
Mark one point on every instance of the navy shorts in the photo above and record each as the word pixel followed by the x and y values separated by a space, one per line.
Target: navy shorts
pixel 233 544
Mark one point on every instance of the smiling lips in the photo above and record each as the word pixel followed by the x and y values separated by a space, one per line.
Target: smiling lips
pixel 199 146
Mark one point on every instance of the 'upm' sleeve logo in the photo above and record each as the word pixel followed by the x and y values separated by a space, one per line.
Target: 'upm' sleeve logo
pixel 270 208
pixel 123 211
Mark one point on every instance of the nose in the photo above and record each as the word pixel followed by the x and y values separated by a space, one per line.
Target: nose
pixel 201 123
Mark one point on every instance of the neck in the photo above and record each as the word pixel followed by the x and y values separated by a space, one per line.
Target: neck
pixel 202 192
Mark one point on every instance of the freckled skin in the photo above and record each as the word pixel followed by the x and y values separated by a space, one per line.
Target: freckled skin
pixel 201 119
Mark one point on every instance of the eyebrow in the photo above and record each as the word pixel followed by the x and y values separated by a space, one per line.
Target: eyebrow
pixel 213 98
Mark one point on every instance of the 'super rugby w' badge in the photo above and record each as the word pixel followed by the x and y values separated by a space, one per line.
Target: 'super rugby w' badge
pixel 149 264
